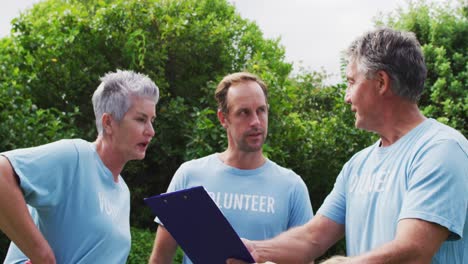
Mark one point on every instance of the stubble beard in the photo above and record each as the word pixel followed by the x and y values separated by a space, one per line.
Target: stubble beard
pixel 244 145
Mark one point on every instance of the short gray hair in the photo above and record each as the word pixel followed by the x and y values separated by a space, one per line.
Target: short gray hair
pixel 114 94
pixel 398 53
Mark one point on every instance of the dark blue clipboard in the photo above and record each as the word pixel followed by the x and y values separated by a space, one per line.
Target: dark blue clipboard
pixel 198 226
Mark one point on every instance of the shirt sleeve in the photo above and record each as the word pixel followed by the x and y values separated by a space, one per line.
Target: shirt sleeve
pixel 178 182
pixel 334 206
pixel 44 171
pixel 437 187
pixel 301 207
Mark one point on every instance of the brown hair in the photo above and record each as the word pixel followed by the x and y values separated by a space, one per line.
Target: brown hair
pixel 234 78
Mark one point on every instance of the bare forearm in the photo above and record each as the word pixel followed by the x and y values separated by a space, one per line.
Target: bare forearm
pixel 302 244
pixel 393 253
pixel 162 257
pixel 390 253
pixel 298 245
pixel 416 242
pixel 290 247
pixel 164 247
pixel 15 220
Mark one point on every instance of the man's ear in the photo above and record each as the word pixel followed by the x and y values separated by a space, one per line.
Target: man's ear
pixel 384 82
pixel 222 118
pixel 107 123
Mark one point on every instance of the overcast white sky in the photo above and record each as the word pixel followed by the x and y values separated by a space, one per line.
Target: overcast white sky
pixel 314 32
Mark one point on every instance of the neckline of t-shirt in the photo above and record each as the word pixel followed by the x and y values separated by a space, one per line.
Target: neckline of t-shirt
pixel 238 171
pixel 406 138
pixel 108 172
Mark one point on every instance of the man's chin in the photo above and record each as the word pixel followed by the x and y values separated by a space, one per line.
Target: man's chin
pixel 254 148
pixel 358 123
pixel 139 156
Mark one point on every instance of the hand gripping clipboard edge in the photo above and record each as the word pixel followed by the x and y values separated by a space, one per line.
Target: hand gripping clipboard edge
pixel 198 226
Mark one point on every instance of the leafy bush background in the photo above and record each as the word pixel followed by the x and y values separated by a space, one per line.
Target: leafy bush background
pixel 142 244
pixel 52 61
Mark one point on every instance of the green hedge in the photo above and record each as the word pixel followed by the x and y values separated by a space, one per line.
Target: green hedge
pixel 186 46
pixel 142 244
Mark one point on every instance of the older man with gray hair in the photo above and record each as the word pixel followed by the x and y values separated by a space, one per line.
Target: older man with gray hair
pixel 402 200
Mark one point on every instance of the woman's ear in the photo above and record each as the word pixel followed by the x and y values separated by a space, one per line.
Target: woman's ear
pixel 107 123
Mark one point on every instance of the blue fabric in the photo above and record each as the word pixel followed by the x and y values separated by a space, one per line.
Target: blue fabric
pixel 80 210
pixel 259 203
pixel 424 175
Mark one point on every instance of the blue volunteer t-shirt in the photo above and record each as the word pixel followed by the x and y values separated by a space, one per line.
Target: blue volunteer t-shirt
pixel 423 175
pixel 80 210
pixel 259 203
